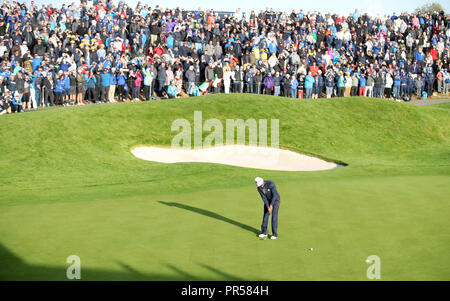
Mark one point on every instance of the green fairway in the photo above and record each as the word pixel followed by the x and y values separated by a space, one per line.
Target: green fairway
pixel 70 186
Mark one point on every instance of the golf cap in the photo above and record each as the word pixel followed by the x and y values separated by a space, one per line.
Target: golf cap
pixel 259 181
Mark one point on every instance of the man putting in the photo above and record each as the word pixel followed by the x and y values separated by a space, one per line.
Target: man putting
pixel 271 199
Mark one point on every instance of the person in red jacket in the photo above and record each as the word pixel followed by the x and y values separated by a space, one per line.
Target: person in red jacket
pixel 434 53
pixel 158 51
pixel 314 69
pixel 211 19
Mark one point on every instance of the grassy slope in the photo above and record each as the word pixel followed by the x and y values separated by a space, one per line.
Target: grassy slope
pixel 71 186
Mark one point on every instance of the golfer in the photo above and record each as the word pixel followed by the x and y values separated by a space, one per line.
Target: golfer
pixel 271 199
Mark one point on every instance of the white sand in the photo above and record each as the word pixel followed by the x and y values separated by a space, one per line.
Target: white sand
pixel 237 155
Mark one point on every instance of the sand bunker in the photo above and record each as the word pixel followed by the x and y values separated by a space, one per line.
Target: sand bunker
pixel 237 155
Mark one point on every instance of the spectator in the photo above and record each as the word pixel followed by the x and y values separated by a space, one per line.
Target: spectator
pixel 105 83
pixel 362 85
pixel 82 39
pixel 49 96
pixel 258 82
pixel 309 82
pixel 172 90
pixel 5 101
pixel 121 85
pixel 90 83
pixel 318 84
pixel 379 83
pixel 429 79
pixel 440 80
pixel 227 76
pixel 112 86
pixel 329 83
pixel 410 87
pixel 238 79
pixel 148 79
pixel 59 89
pixel 16 103
pixel 293 86
pixel 419 83
pixel 286 85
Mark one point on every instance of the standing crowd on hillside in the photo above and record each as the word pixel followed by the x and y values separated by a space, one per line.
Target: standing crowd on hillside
pixel 106 51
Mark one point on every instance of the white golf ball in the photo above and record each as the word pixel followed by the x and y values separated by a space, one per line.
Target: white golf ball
pixel 311 249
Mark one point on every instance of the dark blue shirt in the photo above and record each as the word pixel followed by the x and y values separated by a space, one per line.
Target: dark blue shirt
pixel 269 193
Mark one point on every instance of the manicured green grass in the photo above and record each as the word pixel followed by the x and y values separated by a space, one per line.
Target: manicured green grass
pixel 71 186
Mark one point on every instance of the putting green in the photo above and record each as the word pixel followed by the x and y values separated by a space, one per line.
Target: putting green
pixel 70 186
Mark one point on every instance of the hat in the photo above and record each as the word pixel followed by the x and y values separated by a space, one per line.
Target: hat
pixel 259 181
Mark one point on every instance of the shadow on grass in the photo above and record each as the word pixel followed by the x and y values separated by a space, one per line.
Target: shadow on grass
pixel 14 268
pixel 212 215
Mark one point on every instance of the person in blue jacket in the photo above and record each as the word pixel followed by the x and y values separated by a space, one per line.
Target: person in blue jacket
pixel 36 62
pixel 293 85
pixel 362 84
pixel 112 86
pixel 420 57
pixel 429 80
pixel 271 199
pixel 268 84
pixel 329 83
pixel 250 77
pixel 106 82
pixel 172 90
pixel 272 47
pixel 66 92
pixel 59 90
pixel 16 103
pixel 170 41
pixel 90 85
pixel 121 83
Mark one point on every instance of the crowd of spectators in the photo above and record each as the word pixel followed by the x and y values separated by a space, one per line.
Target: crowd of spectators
pixel 106 51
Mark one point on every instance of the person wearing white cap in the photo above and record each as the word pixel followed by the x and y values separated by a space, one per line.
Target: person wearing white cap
pixel 271 199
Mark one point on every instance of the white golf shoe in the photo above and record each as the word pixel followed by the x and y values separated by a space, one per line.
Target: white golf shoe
pixel 262 235
pixel 273 237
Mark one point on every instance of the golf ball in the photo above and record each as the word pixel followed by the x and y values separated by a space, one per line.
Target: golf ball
pixel 311 249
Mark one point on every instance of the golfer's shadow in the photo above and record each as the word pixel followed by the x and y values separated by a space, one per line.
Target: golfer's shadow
pixel 212 215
